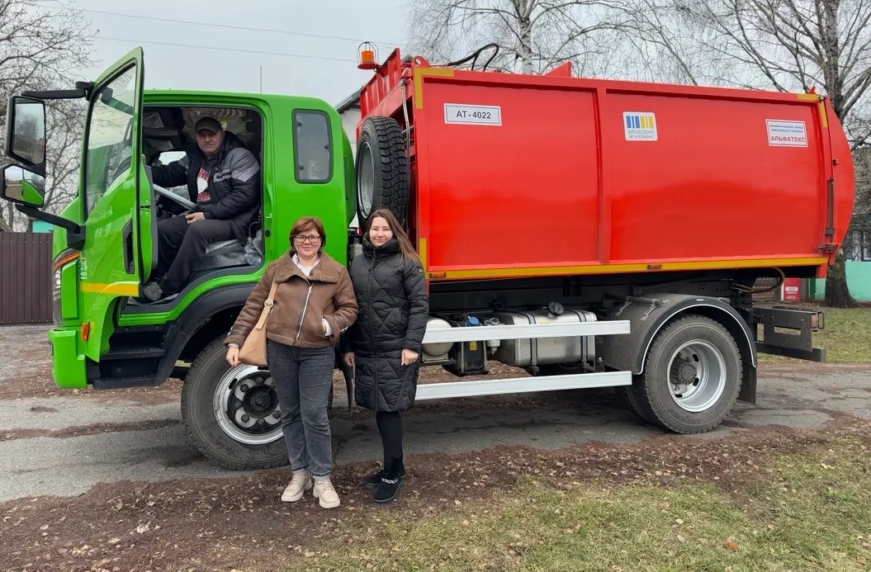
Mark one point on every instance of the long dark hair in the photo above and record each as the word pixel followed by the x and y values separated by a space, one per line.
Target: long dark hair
pixel 405 246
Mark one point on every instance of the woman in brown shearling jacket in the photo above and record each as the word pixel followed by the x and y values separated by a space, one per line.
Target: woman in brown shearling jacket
pixel 314 303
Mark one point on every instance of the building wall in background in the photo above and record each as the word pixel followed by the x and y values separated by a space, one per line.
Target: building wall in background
pixel 350 117
pixel 40 226
pixel 858 280
pixel 349 111
pixel 857 250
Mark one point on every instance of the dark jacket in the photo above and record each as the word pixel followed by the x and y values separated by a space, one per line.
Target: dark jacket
pixel 393 311
pixel 296 317
pixel 234 183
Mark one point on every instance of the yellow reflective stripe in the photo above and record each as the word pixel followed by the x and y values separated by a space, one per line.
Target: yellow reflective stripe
pixel 617 268
pixel 421 251
pixel 418 81
pixel 116 289
pixel 824 118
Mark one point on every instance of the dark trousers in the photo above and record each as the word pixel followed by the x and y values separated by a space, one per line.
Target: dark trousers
pixel 303 378
pixel 390 427
pixel 180 244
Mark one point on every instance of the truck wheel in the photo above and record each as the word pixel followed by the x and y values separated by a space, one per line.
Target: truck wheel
pixel 692 376
pixel 382 170
pixel 628 396
pixel 232 415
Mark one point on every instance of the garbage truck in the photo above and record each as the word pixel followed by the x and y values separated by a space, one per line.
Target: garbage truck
pixel 592 233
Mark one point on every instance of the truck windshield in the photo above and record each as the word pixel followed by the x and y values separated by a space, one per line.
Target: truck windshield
pixel 110 141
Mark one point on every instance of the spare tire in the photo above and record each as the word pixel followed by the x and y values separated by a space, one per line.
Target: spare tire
pixel 382 170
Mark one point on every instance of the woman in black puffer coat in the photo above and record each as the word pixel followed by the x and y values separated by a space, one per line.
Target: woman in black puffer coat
pixel 384 343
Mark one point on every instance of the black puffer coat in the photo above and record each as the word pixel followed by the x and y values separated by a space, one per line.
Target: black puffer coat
pixel 391 294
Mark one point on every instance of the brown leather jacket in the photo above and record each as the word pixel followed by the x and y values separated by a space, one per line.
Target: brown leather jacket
pixel 301 304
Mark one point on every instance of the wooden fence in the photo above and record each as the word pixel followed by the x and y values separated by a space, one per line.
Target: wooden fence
pixel 25 278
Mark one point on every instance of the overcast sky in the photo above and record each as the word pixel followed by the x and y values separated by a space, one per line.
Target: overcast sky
pixel 320 40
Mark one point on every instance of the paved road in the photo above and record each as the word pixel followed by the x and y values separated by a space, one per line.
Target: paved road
pixel 51 447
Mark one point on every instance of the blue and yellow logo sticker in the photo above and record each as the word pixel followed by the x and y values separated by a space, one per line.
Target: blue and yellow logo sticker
pixel 639 126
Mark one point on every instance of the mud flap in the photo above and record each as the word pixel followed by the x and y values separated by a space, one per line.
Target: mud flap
pixel 748 386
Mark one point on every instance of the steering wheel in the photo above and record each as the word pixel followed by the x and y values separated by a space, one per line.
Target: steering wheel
pixel 174 197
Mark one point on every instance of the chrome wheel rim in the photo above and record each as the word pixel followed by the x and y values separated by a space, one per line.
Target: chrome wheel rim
pixel 246 405
pixel 697 376
pixel 366 180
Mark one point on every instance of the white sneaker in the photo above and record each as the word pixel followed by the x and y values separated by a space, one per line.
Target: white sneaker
pixel 300 483
pixel 326 494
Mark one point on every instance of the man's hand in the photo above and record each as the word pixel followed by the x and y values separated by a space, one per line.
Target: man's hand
pixel 194 217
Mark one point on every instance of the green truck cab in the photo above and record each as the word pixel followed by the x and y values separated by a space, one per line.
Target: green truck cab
pixel 105 246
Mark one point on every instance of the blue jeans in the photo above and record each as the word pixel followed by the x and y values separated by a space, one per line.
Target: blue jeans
pixel 303 377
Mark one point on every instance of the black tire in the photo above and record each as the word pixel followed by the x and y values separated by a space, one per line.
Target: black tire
pixel 202 428
pixel 382 163
pixel 652 389
pixel 627 396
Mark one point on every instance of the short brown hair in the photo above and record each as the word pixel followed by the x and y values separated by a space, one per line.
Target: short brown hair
pixel 405 246
pixel 305 223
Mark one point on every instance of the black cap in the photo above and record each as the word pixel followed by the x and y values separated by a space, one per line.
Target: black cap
pixel 209 124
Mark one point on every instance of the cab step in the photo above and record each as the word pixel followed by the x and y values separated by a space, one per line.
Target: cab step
pixel 133 353
pixel 131 364
pixel 123 382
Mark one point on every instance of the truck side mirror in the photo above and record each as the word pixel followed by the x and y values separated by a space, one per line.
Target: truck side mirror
pixel 25 133
pixel 22 186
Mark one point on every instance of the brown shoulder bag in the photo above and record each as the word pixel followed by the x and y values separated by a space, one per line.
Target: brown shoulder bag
pixel 253 351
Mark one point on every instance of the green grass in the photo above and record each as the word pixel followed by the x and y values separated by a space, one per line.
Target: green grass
pixel 809 510
pixel 846 337
pixel 801 512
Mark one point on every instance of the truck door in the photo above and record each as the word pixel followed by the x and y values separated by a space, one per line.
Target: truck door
pixel 116 200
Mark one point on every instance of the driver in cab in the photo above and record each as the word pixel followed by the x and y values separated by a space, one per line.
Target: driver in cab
pixel 222 177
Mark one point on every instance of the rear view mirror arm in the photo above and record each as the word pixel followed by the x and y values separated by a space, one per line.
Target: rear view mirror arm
pixel 75 236
pixel 82 91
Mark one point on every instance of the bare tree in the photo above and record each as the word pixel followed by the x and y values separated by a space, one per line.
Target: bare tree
pixel 660 41
pixel 857 243
pixel 533 36
pixel 39 45
pixel 66 121
pixel 862 160
pixel 786 45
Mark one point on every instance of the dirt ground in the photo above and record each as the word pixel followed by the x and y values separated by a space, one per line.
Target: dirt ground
pixel 460 453
pixel 25 371
pixel 241 524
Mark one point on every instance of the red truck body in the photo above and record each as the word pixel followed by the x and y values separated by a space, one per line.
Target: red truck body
pixel 612 176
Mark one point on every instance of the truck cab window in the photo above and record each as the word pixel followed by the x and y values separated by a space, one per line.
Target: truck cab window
pixel 109 136
pixel 312 147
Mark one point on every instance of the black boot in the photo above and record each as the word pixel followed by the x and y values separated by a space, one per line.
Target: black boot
pixel 375 478
pixel 391 480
